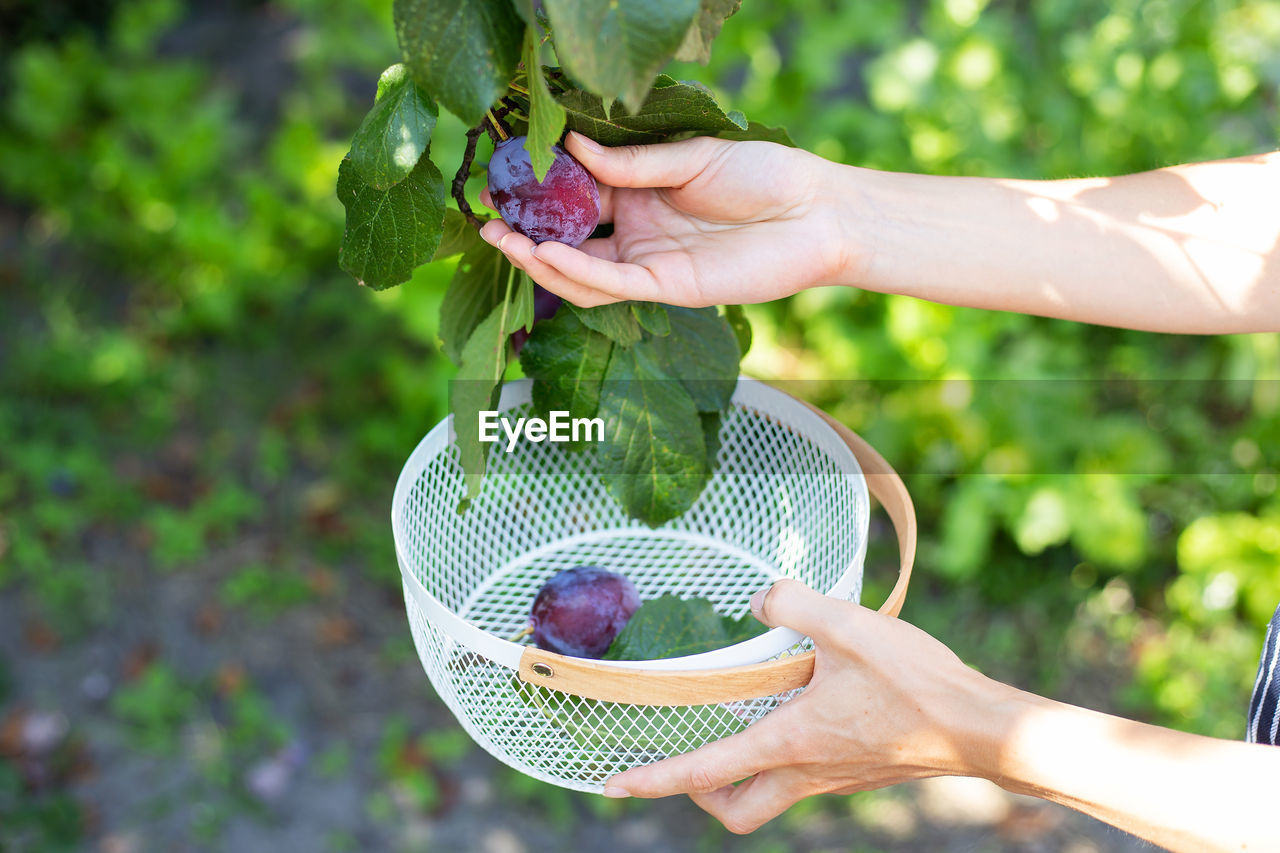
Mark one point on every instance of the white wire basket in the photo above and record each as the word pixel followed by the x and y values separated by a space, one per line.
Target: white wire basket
pixel 789 499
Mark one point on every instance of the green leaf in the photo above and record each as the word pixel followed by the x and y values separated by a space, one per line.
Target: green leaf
pixel 671 108
pixel 703 352
pixel 396 132
pixel 711 422
pixel 458 236
pixel 463 52
pixel 389 232
pixel 696 46
pixel 622 732
pixel 652 317
pixel 742 628
pixel 669 626
pixel 737 319
pixel 527 10
pixel 757 132
pixel 653 459
pixel 567 362
pixel 615 47
pixel 546 116
pixel 522 305
pixel 478 284
pixel 614 320
pixel 476 388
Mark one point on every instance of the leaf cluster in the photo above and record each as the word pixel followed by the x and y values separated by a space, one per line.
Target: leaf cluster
pixel 658 376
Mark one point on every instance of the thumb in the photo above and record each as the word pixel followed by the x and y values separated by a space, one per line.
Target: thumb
pixel 792 604
pixel 670 164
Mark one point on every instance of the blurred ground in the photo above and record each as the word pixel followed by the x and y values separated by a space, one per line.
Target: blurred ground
pixel 359 729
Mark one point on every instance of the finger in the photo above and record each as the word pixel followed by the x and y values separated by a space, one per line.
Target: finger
pixel 606 203
pixel 671 164
pixel 519 250
pixel 708 768
pixel 791 603
pixel 747 807
pixel 493 231
pixel 487 200
pixel 620 281
pixel 604 248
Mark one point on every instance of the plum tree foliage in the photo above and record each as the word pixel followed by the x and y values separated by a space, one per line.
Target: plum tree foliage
pixel 633 364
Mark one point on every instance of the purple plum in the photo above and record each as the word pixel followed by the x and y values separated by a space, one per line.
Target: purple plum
pixel 579 611
pixel 565 207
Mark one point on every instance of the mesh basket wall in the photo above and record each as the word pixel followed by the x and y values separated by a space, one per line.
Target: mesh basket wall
pixel 778 506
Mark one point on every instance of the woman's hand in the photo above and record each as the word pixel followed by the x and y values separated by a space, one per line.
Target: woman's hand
pixel 699 222
pixel 887 703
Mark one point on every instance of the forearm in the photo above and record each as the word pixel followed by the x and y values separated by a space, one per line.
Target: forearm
pixel 1182 791
pixel 1186 249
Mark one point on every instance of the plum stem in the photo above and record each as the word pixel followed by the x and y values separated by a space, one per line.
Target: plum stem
pixel 528 629
pixel 497 126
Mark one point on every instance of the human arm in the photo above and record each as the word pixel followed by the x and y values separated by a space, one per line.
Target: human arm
pixel 888 703
pixel 1193 248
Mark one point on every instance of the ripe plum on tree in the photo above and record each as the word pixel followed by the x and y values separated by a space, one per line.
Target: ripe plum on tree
pixel 564 207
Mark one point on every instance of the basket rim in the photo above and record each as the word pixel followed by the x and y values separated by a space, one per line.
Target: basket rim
pixel 751 394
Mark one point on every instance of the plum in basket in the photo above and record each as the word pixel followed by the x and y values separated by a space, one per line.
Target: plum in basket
pixel 579 611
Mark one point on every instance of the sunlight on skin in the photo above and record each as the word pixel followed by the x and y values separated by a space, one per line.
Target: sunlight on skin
pixel 1221 241
pixel 1185 249
pixel 1045 208
pixel 1183 791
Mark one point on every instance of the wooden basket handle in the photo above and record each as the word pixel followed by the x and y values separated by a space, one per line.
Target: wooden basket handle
pixel 597 680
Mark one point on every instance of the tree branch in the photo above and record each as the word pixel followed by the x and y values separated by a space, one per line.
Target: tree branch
pixel 464 172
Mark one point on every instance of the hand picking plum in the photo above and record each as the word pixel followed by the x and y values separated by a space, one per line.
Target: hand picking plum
pixel 565 207
pixel 579 611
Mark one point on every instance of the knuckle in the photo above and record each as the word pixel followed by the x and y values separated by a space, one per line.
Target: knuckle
pixel 709 146
pixel 630 160
pixel 701 781
pixel 789 740
pixel 631 154
pixel 801 749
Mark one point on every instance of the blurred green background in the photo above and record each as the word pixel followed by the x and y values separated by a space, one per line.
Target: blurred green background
pixel 201 418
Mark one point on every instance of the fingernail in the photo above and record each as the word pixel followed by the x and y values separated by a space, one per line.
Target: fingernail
pixel 533 250
pixel 615 792
pixel 588 143
pixel 757 600
pixel 500 242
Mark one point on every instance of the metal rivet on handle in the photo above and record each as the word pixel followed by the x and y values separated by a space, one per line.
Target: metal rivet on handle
pixel 542 669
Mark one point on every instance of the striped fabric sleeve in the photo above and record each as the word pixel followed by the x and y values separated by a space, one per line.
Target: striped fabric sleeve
pixel 1264 705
